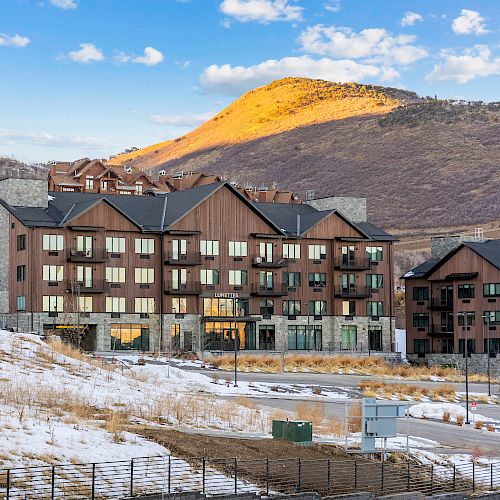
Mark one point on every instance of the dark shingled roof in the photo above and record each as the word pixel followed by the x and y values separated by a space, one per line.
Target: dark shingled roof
pixel 421 270
pixel 374 232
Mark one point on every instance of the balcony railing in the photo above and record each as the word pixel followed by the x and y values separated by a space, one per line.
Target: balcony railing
pixel 440 331
pixel 176 288
pixel 356 264
pixel 277 290
pixel 94 255
pixel 87 286
pixel 353 292
pixel 187 259
pixel 441 305
pixel 261 262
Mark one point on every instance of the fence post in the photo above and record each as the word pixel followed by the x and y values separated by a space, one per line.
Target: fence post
pixel 382 476
pixel 454 477
pixel 169 472
pixel 267 476
pixel 355 475
pixel 299 479
pixel 408 473
pixel 53 483
pixel 8 484
pixel 473 476
pixel 491 478
pixel 203 476
pixel 235 476
pixel 432 479
pixel 329 475
pixel 132 477
pixel 93 482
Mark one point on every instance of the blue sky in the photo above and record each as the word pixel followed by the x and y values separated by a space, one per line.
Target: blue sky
pixel 92 77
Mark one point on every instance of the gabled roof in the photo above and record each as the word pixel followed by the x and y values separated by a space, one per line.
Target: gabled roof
pixel 489 250
pixel 374 232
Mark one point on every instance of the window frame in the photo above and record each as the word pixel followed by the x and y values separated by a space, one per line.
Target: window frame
pixel 294 254
pixel 146 246
pixel 116 241
pixel 209 248
pixel 238 249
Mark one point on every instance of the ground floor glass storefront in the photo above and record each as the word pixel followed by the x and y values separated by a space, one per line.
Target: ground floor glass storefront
pixel 220 335
pixel 305 338
pixel 128 337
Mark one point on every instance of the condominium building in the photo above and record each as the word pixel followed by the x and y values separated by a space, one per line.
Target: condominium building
pixel 196 269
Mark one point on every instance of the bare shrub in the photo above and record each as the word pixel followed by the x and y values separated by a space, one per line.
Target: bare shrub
pixel 354 415
pixel 311 411
pixel 460 420
pixel 446 416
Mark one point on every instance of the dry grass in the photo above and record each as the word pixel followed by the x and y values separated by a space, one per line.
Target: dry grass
pixel 115 425
pixel 354 416
pixel 490 428
pixel 446 416
pixel 478 424
pixel 312 412
pixel 460 420
pixel 405 391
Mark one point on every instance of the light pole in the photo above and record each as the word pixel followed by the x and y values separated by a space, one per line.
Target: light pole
pixel 487 320
pixel 236 336
pixel 466 315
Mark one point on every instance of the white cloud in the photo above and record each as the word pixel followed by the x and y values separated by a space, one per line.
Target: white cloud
pixel 332 5
pixel 262 11
pixel 87 53
pixel 469 22
pixel 13 41
pixel 50 140
pixel 181 120
pixel 373 44
pixel 151 57
pixel 475 62
pixel 234 80
pixel 64 4
pixel 410 18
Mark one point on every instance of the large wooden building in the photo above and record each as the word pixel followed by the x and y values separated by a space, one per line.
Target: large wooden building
pixel 452 298
pixel 188 269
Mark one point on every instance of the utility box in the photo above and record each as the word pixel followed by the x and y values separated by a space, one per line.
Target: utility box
pixel 298 432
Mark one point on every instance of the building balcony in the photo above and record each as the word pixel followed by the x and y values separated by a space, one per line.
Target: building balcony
pixel 266 291
pixel 440 305
pixel 175 288
pixel 94 255
pixel 439 331
pixel 187 259
pixel 82 287
pixel 353 292
pixel 357 264
pixel 261 262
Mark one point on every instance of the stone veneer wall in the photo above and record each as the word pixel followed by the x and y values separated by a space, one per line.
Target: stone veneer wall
pixel 478 363
pixel 352 208
pixel 441 245
pixel 25 192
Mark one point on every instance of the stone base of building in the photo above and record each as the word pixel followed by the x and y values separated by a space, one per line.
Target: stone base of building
pixel 105 332
pixel 477 363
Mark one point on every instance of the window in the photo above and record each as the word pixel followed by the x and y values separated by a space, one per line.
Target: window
pixel 317 307
pixel 348 255
pixel 179 278
pixel 129 337
pixel 238 249
pixel 209 247
pixel 471 346
pixel 85 304
pixel 317 252
pixel 420 320
pixel 53 273
pixel 267 307
pixel 84 245
pixel 349 308
pixel 492 318
pixel 465 291
pixel 266 251
pixel 53 303
pixel 115 274
pixel 225 307
pixel 115 304
pixel 115 245
pixel 144 305
pixel 144 246
pixel 21 242
pixel 266 280
pixel 144 275
pixel 139 187
pixel 491 289
pixel 305 337
pixel 291 251
pixel 375 254
pixel 89 182
pixel 317 279
pixel 179 248
pixel 291 279
pixel 421 293
pixel 267 338
pixel 53 242
pixel 348 337
pixel 374 309
pixel 494 345
pixel 421 346
pixel 238 277
pixel 21 303
pixel 209 276
pixel 375 280
pixel 21 273
pixel 471 319
pixel 179 305
pixel 291 307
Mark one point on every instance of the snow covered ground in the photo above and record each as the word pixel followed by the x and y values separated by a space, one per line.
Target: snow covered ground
pixel 437 410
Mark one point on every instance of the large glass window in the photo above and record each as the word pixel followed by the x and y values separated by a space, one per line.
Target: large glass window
pixel 53 242
pixel 267 307
pixel 144 275
pixel 466 291
pixel 471 346
pixel 145 245
pixel 21 273
pixel 179 249
pixel 144 305
pixel 492 318
pixel 85 304
pixel 491 289
pixel 471 319
pixel 21 242
pixel 266 251
pixel 317 252
pixel 238 277
pixel 375 281
pixel 420 319
pixel 179 278
pixel 89 182
pixel 21 303
pixel 291 279
pixel 317 280
pixel 115 245
pixel 421 346
pixel 238 249
pixel 129 337
pixel 267 338
pixel 225 307
pixel 305 337
pixel 375 308
pixel 221 335
pixel 349 307
pixel 291 307
pixel 375 254
pixel 349 337
pixel 115 274
pixel 179 305
pixel 53 303
pixel 209 247
pixel 209 276
pixel 291 251
pixel 317 307
pixel 421 293
pixel 53 273
pixel 266 280
pixel 115 304
pixel 494 345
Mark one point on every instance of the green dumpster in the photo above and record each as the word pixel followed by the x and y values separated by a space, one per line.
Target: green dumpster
pixel 296 431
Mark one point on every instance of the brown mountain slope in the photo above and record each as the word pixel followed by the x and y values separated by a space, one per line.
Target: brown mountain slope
pixel 420 163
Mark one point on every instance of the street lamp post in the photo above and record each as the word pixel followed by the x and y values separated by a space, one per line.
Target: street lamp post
pixel 487 320
pixel 466 315
pixel 236 338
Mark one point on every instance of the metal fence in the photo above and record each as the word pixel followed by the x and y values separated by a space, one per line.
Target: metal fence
pixel 165 474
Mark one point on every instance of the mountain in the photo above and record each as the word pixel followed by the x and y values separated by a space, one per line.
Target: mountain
pixel 420 162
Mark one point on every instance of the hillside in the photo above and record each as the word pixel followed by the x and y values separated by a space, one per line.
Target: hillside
pixel 420 162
